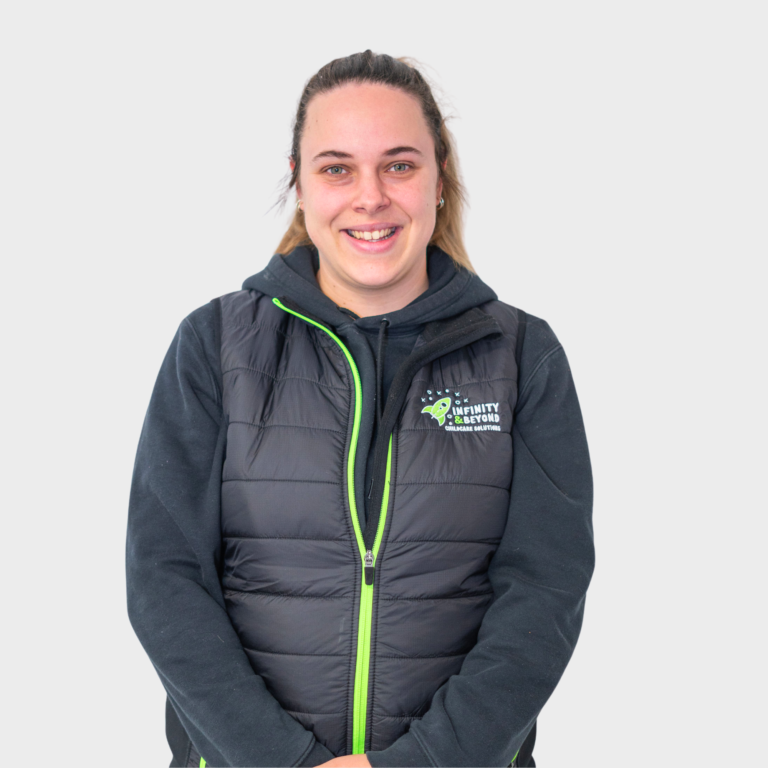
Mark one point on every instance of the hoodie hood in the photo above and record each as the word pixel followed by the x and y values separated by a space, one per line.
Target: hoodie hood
pixel 379 344
pixel 452 290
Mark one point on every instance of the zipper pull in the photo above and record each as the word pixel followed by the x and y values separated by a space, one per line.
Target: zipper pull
pixel 368 562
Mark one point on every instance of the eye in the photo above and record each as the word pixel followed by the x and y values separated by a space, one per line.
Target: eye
pixel 335 170
pixel 401 167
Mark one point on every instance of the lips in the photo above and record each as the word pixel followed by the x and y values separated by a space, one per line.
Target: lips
pixel 373 235
pixel 376 238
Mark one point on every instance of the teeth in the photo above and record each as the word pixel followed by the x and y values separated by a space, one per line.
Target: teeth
pixel 377 234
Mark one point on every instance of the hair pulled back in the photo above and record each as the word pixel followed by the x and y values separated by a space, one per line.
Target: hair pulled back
pixel 399 73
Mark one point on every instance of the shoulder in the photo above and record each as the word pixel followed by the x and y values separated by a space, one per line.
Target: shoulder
pixel 535 335
pixel 236 307
pixel 228 319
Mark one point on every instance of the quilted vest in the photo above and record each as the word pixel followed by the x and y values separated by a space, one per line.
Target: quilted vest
pixel 354 625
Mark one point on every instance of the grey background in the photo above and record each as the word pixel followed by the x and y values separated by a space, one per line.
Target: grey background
pixel 616 161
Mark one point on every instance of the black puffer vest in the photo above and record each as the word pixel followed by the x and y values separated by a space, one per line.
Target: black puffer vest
pixel 354 625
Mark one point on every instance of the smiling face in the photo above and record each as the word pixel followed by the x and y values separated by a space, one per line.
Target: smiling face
pixel 369 186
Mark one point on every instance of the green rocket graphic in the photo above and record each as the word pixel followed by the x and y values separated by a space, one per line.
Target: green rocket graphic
pixel 438 410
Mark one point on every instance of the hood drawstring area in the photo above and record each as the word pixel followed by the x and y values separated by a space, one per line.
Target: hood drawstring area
pixel 380 366
pixel 379 379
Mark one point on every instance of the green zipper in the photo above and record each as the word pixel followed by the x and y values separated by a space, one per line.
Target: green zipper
pixel 362 664
pixel 364 627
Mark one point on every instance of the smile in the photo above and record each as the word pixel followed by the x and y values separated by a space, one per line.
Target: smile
pixel 377 234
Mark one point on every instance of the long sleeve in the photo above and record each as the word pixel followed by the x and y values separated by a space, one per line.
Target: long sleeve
pixel 539 575
pixel 175 601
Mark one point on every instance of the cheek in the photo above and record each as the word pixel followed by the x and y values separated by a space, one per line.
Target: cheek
pixel 418 203
pixel 324 205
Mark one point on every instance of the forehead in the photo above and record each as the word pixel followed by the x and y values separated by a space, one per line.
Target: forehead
pixel 364 119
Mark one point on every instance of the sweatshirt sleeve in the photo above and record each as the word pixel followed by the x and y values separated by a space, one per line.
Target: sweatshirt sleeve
pixel 539 574
pixel 175 601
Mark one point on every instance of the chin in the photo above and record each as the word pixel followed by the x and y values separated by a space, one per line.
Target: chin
pixel 376 272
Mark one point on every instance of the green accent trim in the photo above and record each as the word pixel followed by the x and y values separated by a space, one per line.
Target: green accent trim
pixel 355 425
pixel 202 762
pixel 362 662
pixel 511 762
pixel 362 666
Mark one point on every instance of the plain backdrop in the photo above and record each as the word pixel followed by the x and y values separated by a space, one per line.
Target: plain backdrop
pixel 616 159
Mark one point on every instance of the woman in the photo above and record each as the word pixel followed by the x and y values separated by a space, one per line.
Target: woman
pixel 360 520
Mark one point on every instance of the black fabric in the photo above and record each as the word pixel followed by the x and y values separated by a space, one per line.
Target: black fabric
pixel 441 338
pixel 538 564
pixel 522 325
pixel 380 367
pixel 177 737
pixel 290 558
pixel 451 291
pixel 525 755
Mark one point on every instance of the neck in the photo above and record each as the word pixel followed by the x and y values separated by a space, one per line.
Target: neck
pixel 367 301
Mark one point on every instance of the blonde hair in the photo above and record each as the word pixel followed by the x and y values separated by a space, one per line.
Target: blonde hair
pixel 399 73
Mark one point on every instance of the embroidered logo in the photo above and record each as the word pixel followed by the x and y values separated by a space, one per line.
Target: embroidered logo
pixel 462 416
pixel 438 410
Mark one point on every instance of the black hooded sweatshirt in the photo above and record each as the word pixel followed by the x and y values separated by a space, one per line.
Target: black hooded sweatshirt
pixel 175 600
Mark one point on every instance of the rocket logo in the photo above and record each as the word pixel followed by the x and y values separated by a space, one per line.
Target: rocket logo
pixel 438 410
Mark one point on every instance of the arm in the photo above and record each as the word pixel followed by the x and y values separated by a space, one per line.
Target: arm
pixel 539 576
pixel 175 602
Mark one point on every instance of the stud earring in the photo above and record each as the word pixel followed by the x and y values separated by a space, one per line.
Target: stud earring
pixel 440 204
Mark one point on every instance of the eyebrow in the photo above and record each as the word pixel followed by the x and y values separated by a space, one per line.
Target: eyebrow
pixel 345 155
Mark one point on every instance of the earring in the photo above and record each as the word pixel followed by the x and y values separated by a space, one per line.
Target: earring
pixel 440 204
pixel 298 205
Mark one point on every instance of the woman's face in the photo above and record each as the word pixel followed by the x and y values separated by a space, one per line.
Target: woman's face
pixel 369 184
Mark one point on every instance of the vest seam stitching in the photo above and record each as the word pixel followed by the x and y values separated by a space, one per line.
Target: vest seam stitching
pixel 400 717
pixel 455 482
pixel 438 431
pixel 263 327
pixel 275 480
pixel 297 538
pixel 467 383
pixel 440 597
pixel 288 653
pixel 444 541
pixel 436 656
pixel 261 592
pixel 277 379
pixel 262 425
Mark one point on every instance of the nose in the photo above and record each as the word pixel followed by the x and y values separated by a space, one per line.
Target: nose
pixel 370 196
